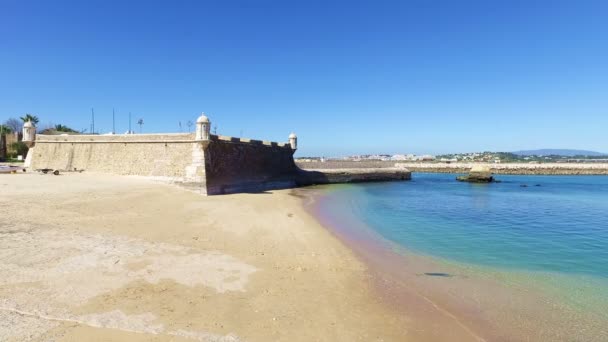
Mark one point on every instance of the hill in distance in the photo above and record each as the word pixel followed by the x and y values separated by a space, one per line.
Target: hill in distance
pixel 559 152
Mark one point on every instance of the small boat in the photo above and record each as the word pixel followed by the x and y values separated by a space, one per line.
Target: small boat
pixel 11 169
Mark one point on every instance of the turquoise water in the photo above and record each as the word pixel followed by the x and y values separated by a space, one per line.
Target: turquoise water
pixel 553 224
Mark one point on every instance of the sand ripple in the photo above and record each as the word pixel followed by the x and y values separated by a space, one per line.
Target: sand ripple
pixel 45 274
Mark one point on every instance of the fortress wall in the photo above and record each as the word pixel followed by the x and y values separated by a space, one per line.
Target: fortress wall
pixel 163 155
pixel 210 165
pixel 244 165
pixel 216 166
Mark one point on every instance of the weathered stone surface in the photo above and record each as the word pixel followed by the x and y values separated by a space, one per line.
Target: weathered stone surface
pixel 235 166
pixel 159 155
pixel 478 174
pixel 219 165
pixel 330 176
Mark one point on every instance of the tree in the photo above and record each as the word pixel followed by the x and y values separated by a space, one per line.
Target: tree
pixel 140 122
pixel 4 129
pixel 51 128
pixel 64 128
pixel 20 147
pixel 29 117
pixel 14 124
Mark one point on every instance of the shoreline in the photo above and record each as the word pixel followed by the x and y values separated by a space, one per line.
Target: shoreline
pixel 425 314
pixel 471 303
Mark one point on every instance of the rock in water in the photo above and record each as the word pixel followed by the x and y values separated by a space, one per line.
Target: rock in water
pixel 478 174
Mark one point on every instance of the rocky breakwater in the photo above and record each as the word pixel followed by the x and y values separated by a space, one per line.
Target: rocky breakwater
pixel 333 176
pixel 512 168
pixel 478 174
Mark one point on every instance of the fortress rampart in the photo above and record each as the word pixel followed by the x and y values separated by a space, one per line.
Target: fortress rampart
pixel 238 165
pixel 160 155
pixel 210 164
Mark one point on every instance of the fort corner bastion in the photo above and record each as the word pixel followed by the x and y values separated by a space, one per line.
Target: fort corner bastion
pixel 210 164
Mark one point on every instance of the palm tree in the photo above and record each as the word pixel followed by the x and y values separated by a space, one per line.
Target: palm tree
pixel 29 117
pixel 140 122
pixel 64 128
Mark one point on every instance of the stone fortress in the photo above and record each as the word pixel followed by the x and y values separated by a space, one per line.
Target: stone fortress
pixel 210 164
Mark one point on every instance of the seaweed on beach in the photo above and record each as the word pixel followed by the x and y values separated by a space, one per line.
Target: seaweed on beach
pixel 438 274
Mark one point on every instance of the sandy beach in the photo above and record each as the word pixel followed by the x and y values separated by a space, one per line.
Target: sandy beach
pixel 113 258
pixel 97 257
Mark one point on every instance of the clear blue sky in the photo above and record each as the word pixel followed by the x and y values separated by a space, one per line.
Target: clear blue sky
pixel 347 77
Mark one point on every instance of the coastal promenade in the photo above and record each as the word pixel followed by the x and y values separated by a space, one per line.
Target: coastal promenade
pixel 504 168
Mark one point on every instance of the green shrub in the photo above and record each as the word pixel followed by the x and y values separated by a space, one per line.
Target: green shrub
pixel 20 147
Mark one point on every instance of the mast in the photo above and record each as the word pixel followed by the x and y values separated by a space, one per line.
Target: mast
pixel 113 122
pixel 92 121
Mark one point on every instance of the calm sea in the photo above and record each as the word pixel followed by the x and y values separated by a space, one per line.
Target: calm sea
pixel 554 227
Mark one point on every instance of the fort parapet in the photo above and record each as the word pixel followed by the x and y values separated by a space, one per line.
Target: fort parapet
pixel 211 164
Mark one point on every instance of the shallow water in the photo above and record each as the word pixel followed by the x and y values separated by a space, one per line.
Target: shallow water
pixel 547 233
pixel 555 223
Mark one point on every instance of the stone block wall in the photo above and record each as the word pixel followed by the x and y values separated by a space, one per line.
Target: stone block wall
pixel 216 165
pixel 6 142
pixel 165 155
pixel 244 165
pixel 219 165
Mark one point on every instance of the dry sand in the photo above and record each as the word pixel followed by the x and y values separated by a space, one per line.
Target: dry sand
pixel 107 258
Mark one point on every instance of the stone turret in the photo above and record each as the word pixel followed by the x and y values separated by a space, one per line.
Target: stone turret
pixel 203 128
pixel 29 133
pixel 293 141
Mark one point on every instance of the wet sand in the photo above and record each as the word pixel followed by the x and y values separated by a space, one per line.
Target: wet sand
pixel 488 304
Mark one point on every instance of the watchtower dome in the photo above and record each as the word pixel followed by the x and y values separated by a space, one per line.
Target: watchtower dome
pixel 203 127
pixel 29 133
pixel 293 141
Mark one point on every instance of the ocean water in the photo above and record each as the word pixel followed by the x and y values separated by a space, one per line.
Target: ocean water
pixel 534 223
pixel 549 231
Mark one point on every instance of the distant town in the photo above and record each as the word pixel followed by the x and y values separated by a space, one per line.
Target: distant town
pixel 487 157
